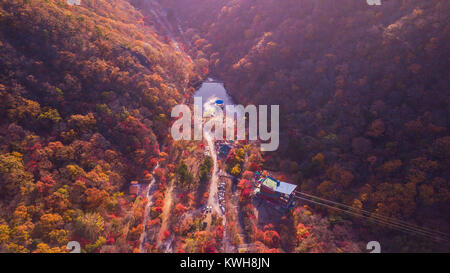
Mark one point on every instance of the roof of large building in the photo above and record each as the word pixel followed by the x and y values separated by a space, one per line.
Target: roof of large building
pixel 278 186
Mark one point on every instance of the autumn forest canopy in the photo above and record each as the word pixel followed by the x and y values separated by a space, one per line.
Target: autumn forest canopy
pixel 86 93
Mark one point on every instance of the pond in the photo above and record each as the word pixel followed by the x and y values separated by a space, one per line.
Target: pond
pixel 213 92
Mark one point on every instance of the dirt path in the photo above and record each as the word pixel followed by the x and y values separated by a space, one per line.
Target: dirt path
pixel 165 217
pixel 213 199
pixel 149 190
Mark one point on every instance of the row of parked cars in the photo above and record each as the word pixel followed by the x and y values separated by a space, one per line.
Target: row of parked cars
pixel 221 195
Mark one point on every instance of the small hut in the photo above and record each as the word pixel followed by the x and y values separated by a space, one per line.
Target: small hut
pixel 134 188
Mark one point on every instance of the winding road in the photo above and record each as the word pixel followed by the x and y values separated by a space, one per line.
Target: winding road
pixel 149 190
pixel 213 200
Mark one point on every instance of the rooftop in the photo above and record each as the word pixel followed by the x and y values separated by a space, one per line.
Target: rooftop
pixel 278 186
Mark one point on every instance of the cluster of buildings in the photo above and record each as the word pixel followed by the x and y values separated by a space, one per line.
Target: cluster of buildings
pixel 278 193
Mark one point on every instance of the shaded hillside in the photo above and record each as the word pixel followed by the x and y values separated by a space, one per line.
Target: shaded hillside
pixel 363 92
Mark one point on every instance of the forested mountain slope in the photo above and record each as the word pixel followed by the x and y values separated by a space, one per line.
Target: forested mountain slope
pixel 363 92
pixel 85 99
